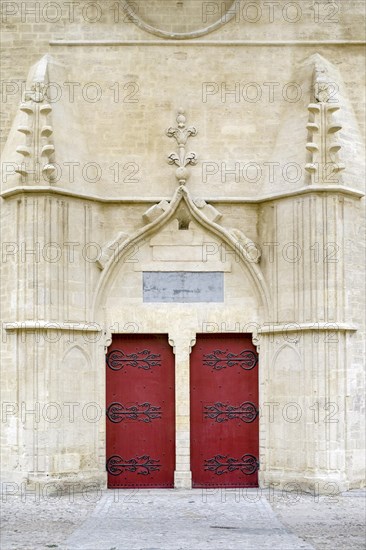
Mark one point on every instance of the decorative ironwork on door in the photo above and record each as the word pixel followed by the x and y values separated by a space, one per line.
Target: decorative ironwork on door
pixel 220 412
pixel 142 465
pixel 219 464
pixel 145 412
pixel 224 411
pixel 118 359
pixel 219 359
pixel 140 413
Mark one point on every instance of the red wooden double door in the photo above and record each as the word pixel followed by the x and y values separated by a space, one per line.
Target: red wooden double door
pixel 141 412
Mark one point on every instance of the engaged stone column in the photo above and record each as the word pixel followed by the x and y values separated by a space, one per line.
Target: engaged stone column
pixel 182 348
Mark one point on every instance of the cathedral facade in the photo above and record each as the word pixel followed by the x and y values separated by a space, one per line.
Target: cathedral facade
pixel 182 204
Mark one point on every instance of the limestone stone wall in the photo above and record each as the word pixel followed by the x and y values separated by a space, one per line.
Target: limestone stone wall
pixel 274 202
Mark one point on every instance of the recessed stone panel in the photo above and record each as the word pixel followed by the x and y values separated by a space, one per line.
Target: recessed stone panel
pixel 183 286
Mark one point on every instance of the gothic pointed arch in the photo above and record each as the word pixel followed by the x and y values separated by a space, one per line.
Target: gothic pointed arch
pixel 76 352
pixel 289 349
pixel 164 213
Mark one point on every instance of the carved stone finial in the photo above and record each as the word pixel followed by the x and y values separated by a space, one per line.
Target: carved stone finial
pixel 182 159
pixel 323 144
pixel 323 87
pixel 324 165
pixel 38 151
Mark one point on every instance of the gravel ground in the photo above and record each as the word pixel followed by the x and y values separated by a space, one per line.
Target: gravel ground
pixel 325 523
pixel 28 524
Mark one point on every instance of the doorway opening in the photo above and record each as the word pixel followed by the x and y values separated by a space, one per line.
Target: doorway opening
pixel 224 411
pixel 140 413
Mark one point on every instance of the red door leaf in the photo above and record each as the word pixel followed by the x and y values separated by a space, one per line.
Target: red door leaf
pixel 140 412
pixel 224 411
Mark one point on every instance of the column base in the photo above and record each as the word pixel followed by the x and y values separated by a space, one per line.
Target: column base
pixel 182 480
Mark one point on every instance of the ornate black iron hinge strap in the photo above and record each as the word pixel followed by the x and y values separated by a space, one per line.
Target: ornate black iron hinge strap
pixel 220 464
pixel 220 359
pixel 221 412
pixel 145 412
pixel 117 359
pixel 143 465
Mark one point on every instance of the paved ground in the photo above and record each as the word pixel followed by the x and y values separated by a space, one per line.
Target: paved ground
pixel 327 523
pixel 187 520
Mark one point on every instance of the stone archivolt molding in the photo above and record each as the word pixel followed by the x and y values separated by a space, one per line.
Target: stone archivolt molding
pixel 109 249
pixel 161 214
pixel 225 16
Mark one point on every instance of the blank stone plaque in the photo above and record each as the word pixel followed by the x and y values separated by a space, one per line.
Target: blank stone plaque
pixel 183 286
